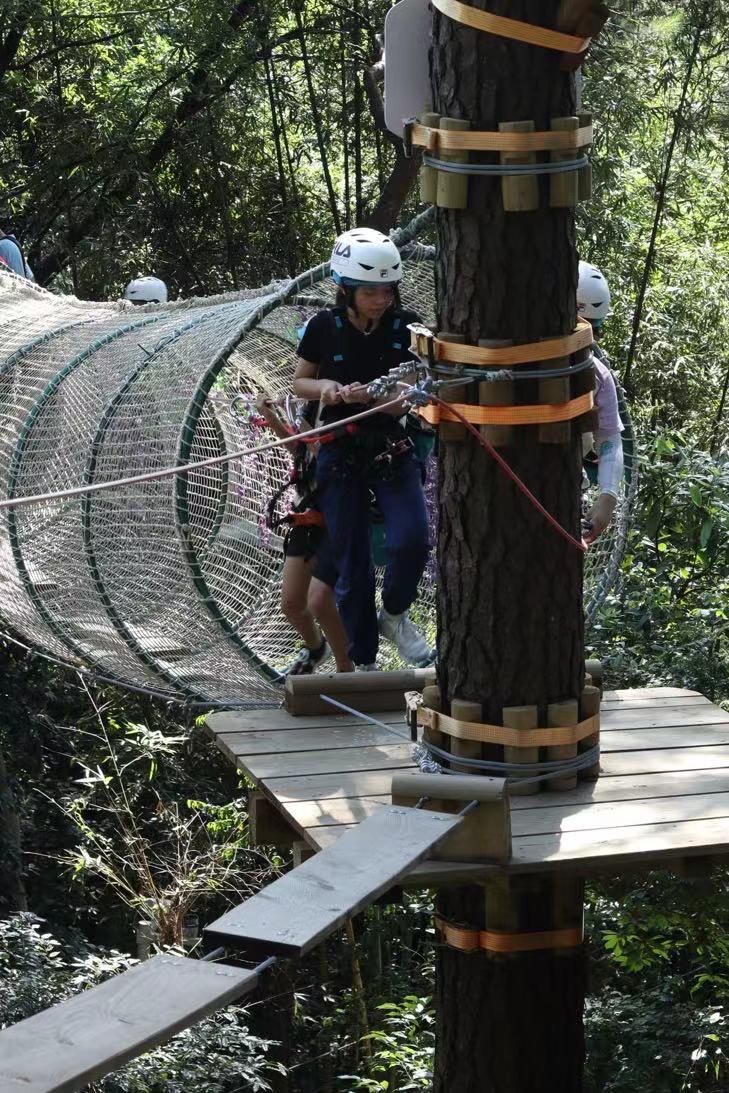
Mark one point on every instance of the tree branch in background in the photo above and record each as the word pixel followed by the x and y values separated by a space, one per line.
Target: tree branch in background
pixel 678 119
pixel 10 43
pixel 405 169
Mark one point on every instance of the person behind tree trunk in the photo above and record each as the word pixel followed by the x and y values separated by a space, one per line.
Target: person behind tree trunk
pixel 593 304
pixel 341 351
pixel 11 254
pixel 309 574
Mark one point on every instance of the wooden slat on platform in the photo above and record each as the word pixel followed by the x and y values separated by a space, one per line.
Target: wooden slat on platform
pixel 333 761
pixel 304 906
pixel 662 717
pixel 318 739
pixel 78 1041
pixel 240 721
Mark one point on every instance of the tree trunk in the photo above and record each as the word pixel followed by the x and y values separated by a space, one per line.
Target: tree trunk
pixel 510 627
pixel 12 888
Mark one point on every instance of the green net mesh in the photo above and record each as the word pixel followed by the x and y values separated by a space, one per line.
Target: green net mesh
pixel 170 585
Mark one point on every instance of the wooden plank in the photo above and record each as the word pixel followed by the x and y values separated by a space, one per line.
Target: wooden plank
pixel 327 762
pixel 662 716
pixel 634 787
pixel 630 694
pixel 682 736
pixel 78 1041
pixel 300 909
pixel 352 736
pixel 656 762
pixel 319 787
pixel 647 703
pixel 337 810
pixel 617 846
pixel 659 810
pixel 239 721
pixel 323 837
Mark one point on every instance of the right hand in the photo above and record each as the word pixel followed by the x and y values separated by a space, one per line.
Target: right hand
pixel 330 392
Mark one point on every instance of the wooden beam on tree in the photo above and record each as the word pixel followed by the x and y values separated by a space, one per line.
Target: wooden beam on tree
pixel 510 588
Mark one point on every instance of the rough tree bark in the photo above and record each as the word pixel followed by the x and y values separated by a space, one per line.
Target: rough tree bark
pixel 510 589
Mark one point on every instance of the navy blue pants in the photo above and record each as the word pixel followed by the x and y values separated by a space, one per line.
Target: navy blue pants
pixel 343 491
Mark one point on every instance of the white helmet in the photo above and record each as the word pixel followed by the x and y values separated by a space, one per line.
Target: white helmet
pixel 146 290
pixel 593 294
pixel 363 256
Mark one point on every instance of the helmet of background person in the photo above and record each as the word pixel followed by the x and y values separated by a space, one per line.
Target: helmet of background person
pixel 593 294
pixel 146 290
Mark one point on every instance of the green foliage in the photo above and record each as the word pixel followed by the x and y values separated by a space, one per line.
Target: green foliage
pixel 403 1059
pixel 667 622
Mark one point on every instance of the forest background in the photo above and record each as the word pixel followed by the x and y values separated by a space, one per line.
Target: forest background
pixel 220 147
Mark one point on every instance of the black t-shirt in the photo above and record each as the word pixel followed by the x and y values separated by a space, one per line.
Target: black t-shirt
pixel 345 354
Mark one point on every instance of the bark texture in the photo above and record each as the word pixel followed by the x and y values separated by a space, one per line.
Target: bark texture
pixel 510 589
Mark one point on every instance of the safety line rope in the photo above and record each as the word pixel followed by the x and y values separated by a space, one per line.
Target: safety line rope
pixel 506 168
pixel 523 773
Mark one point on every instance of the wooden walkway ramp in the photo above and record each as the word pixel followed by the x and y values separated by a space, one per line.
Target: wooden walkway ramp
pixel 663 793
pixel 78 1041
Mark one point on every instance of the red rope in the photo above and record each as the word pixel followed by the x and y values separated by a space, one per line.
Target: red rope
pixel 578 544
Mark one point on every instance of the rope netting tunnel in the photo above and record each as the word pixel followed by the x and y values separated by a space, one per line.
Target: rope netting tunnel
pixel 171 585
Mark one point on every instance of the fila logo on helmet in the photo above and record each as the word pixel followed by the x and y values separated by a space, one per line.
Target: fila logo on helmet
pixel 384 272
pixel 343 250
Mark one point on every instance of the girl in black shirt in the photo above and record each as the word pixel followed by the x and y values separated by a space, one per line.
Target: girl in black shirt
pixel 342 350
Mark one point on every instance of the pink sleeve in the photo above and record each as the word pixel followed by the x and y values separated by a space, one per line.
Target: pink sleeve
pixel 606 401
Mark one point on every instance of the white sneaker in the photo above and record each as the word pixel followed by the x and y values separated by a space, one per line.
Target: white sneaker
pixel 411 644
pixel 365 667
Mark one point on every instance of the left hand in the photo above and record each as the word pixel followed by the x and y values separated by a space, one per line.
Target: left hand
pixel 355 393
pixel 600 516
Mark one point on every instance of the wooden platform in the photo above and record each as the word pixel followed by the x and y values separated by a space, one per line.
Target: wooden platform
pixel 663 793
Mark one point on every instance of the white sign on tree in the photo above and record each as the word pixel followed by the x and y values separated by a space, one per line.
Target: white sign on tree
pixel 407 79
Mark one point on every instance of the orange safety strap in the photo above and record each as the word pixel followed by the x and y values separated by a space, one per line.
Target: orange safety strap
pixel 548 349
pixel 511 738
pixel 436 140
pixel 504 941
pixel 511 28
pixel 532 414
pixel 312 518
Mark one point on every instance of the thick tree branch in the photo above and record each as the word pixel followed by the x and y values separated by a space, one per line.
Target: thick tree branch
pixel 405 170
pixel 10 44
